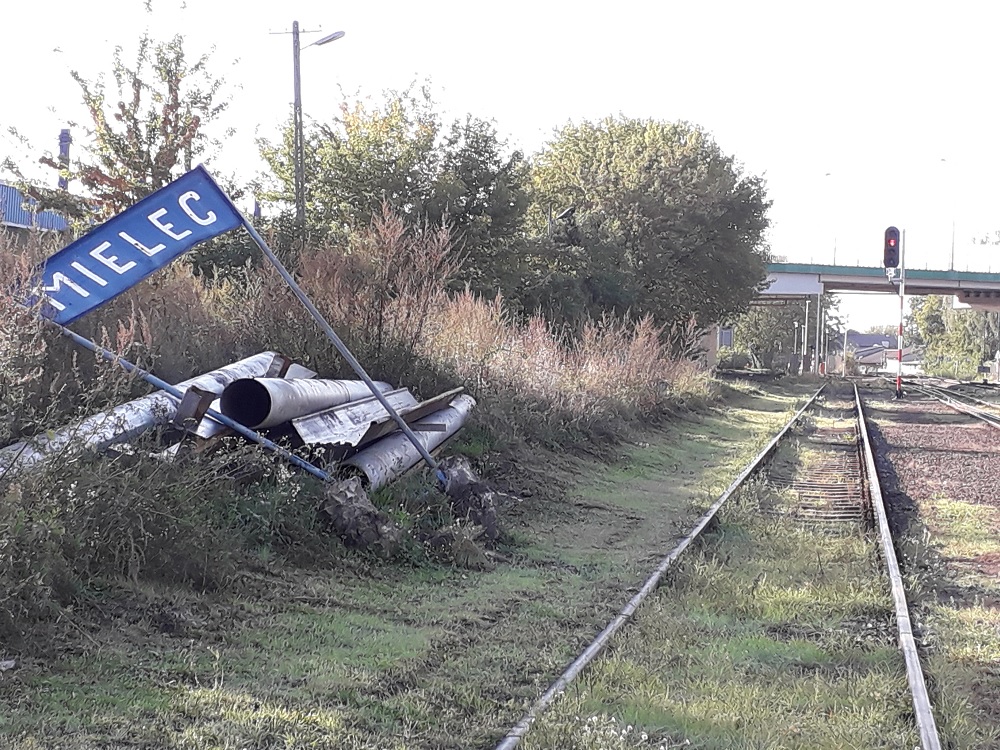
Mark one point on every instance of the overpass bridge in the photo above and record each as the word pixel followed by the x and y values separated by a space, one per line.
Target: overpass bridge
pixel 806 280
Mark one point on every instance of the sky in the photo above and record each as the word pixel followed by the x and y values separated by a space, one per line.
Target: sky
pixel 859 115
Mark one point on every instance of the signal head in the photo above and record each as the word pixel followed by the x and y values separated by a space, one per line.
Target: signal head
pixel 890 251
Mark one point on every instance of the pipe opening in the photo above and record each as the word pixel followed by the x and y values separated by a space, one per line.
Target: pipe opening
pixel 246 401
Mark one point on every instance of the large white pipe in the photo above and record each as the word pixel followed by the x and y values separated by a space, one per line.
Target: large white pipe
pixel 266 402
pixel 388 459
pixel 127 421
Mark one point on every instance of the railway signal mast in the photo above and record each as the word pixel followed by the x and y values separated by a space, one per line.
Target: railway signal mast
pixel 892 259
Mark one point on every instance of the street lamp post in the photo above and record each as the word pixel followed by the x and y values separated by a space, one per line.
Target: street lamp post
pixel 805 341
pixel 298 145
pixel 831 208
pixel 846 329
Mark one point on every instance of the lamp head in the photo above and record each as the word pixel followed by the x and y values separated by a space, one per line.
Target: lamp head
pixel 330 38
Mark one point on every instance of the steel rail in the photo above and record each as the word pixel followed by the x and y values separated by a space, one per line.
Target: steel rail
pixel 517 733
pixel 958 395
pixel 926 725
pixel 993 420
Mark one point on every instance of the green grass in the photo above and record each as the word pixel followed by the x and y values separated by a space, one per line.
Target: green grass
pixel 961 529
pixel 367 654
pixel 960 614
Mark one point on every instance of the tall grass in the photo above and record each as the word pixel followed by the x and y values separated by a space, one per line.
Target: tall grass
pixel 386 293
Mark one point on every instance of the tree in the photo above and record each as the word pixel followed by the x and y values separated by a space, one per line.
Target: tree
pixel 770 330
pixel 659 206
pixel 956 342
pixel 481 193
pixel 911 331
pixel 399 153
pixel 149 131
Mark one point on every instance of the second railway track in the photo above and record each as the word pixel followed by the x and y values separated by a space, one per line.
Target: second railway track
pixel 817 484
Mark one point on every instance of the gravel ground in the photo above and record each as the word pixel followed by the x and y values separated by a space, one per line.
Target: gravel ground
pixel 935 451
pixel 925 451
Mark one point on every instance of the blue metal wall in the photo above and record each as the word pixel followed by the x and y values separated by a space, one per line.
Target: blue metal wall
pixel 13 213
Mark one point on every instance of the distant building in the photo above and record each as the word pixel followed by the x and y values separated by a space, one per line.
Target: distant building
pixel 913 361
pixel 857 341
pixel 870 359
pixel 18 215
pixel 877 352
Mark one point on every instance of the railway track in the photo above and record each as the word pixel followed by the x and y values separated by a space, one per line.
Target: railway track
pixel 938 463
pixel 961 402
pixel 828 481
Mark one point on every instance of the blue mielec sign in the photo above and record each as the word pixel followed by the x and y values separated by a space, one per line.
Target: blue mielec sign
pixel 133 245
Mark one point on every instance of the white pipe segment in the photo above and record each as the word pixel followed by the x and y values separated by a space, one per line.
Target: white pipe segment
pixel 266 402
pixel 126 421
pixel 389 458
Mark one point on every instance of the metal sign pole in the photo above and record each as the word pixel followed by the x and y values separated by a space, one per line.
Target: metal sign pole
pixel 172 391
pixel 902 296
pixel 342 348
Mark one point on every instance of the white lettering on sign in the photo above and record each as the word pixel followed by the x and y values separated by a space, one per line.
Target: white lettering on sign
pixel 88 273
pixel 112 261
pixel 89 268
pixel 166 228
pixel 191 195
pixel 147 251
pixel 58 279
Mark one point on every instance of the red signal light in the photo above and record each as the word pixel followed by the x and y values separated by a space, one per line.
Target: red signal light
pixel 890 251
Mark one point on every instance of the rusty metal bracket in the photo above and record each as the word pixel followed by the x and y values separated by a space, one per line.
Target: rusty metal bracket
pixel 278 367
pixel 192 408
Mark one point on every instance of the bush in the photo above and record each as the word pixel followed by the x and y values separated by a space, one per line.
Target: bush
pixel 137 517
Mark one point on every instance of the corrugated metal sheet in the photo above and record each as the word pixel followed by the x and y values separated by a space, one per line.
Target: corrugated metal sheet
pixel 13 213
pixel 348 423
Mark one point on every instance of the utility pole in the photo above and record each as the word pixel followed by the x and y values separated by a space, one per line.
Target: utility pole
pixel 298 139
pixel 298 150
pixel 902 297
pixel 951 265
pixel 844 373
pixel 892 259
pixel 65 140
pixel 818 344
